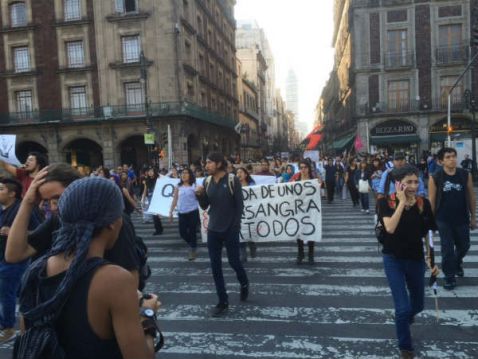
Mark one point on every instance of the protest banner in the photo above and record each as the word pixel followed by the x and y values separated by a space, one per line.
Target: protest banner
pixel 7 149
pixel 163 196
pixel 279 212
pixel 313 155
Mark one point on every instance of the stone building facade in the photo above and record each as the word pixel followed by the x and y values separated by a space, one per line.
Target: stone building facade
pixel 84 80
pixel 395 63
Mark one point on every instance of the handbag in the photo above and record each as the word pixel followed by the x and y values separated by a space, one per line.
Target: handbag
pixel 364 187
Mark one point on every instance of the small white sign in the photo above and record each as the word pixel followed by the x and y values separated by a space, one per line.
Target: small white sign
pixel 7 149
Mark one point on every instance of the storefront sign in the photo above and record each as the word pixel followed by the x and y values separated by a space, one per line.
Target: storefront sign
pixel 394 127
pixel 149 138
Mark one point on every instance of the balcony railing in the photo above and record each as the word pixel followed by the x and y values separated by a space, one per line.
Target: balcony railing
pixel 400 59
pixel 439 104
pixel 446 55
pixel 392 107
pixel 112 113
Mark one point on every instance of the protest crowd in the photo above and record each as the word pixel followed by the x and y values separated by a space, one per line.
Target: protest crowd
pixel 71 259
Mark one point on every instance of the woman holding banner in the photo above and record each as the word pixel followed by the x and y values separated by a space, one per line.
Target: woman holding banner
pixel 246 180
pixel 305 173
pixel 148 189
pixel 188 210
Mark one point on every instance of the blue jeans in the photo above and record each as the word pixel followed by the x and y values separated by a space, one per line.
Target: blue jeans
pixel 455 243
pixel 215 241
pixel 406 278
pixel 364 200
pixel 188 226
pixel 10 278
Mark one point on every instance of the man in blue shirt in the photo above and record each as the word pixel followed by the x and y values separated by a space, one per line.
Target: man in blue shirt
pixel 398 162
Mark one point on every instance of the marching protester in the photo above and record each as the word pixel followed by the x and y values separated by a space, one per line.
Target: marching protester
pixel 406 218
pixel 149 182
pixel 305 173
pixel 467 163
pixel 330 179
pixel 376 176
pixel 351 182
pixel 128 193
pixel 265 168
pixel 287 174
pixel 340 179
pixel 10 273
pixel 185 200
pixel 34 163
pixel 246 180
pixel 49 185
pixel 93 304
pixel 364 186
pixel 222 194
pixel 453 201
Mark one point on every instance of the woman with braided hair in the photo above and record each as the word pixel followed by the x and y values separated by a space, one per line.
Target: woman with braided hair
pixel 92 304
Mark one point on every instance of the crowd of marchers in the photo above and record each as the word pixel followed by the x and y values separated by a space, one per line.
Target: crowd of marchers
pixel 69 248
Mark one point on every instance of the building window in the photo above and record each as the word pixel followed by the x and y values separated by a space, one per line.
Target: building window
pixel 75 53
pixel 399 96
pixel 18 14
pixel 450 44
pixel 131 49
pixel 187 50
pixel 446 83
pixel 134 96
pixel 21 59
pixel 397 54
pixel 190 89
pixel 78 100
pixel 24 101
pixel 126 6
pixel 72 10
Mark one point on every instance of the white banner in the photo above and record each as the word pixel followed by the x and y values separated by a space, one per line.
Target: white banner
pixel 313 155
pixel 264 179
pixel 279 212
pixel 7 149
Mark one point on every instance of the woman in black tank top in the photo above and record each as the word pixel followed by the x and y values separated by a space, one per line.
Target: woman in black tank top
pixel 97 303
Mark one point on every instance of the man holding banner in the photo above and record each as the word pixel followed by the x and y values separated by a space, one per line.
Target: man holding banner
pixel 222 194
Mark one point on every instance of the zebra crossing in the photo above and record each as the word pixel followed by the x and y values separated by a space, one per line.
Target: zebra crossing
pixel 340 307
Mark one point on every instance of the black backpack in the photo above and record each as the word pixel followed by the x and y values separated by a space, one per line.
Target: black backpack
pixel 40 340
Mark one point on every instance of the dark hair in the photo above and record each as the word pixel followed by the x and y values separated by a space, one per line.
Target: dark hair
pixel 441 153
pixel 248 175
pixel 217 157
pixel 106 171
pixel 307 163
pixel 63 173
pixel 42 159
pixel 192 177
pixel 265 160
pixel 13 186
pixel 400 173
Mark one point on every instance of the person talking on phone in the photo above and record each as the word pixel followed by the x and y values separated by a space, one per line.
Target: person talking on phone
pixel 406 219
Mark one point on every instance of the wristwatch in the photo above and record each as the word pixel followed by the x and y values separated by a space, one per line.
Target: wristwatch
pixel 149 323
pixel 147 313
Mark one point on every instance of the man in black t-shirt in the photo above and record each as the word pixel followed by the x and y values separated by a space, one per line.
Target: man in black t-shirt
pixel 48 185
pixel 453 201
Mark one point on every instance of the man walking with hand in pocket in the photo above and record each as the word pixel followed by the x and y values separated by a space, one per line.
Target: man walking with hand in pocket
pixel 222 194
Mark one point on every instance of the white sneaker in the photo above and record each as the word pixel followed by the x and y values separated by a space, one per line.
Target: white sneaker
pixel 362 210
pixel 367 211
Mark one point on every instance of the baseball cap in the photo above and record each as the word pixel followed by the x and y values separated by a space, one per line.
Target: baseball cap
pixel 398 156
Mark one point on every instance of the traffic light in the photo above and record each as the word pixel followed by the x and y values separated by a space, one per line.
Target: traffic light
pixel 164 139
pixel 450 130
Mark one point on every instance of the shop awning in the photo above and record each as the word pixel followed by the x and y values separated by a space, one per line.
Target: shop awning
pixel 438 137
pixel 343 142
pixel 383 140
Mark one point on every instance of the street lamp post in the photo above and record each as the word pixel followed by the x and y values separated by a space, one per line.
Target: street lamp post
pixel 149 125
pixel 470 105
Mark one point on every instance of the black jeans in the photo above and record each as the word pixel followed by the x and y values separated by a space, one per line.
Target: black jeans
pixel 330 185
pixel 188 225
pixel 215 241
pixel 354 193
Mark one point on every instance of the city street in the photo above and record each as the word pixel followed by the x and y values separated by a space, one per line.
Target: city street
pixel 339 308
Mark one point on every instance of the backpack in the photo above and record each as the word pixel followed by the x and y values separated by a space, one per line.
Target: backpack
pixel 40 340
pixel 438 178
pixel 230 182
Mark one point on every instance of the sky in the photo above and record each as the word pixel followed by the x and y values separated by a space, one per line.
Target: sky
pixel 300 35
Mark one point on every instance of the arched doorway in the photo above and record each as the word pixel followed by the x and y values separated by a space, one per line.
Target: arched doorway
pixel 24 148
pixel 194 151
pixel 134 152
pixel 84 153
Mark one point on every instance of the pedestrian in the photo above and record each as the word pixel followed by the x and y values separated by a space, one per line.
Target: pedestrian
pixel 287 174
pixel 330 179
pixel 340 177
pixel 95 303
pixel 265 168
pixel 149 183
pixel 48 186
pixel 34 163
pixel 351 182
pixel 454 204
pixel 222 194
pixel 364 182
pixel 304 174
pixel 376 176
pixel 467 163
pixel 10 273
pixel 184 199
pixel 406 218
pixel 246 180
